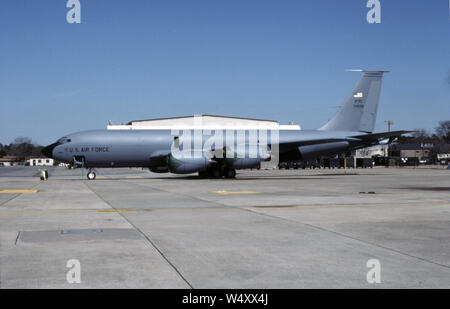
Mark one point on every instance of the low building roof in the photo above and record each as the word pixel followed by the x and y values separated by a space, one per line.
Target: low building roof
pixel 410 147
pixel 202 116
pixel 9 159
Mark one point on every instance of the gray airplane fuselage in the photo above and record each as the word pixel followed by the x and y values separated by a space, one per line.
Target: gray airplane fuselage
pixel 349 129
pixel 134 148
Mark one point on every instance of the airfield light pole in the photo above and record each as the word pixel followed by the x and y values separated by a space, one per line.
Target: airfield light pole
pixel 389 124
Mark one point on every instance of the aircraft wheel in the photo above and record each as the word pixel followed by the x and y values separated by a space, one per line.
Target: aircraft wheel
pixel 230 173
pixel 91 176
pixel 216 173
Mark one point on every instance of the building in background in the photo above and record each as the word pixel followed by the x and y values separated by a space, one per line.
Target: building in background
pixel 414 153
pixel 40 162
pixel 443 158
pixel 370 152
pixel 204 122
pixel 10 161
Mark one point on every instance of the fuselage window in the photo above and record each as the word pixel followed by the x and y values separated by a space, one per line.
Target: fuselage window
pixel 64 140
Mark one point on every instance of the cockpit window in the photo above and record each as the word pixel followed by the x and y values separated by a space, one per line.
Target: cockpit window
pixel 64 140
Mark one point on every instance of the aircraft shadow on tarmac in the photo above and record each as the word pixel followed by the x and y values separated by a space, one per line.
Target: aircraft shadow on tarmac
pixel 221 179
pixel 426 188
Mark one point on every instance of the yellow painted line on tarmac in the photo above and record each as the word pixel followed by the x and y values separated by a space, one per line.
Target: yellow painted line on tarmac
pixel 116 211
pixel 17 191
pixel 236 192
pixel 134 177
pixel 66 211
pixel 102 177
pixel 47 212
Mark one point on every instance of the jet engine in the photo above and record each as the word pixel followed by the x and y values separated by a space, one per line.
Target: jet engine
pixel 238 161
pixel 241 163
pixel 159 169
pixel 311 152
pixel 187 165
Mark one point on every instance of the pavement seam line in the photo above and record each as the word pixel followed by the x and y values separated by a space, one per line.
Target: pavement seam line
pixel 303 223
pixel 315 227
pixel 220 207
pixel 187 195
pixel 145 236
pixel 17 238
pixel 4 203
pixel 349 237
pixel 19 194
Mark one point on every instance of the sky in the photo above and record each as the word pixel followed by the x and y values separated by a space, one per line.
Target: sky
pixel 282 60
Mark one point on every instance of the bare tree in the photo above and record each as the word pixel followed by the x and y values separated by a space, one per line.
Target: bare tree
pixel 22 147
pixel 443 131
pixel 420 135
pixel 22 140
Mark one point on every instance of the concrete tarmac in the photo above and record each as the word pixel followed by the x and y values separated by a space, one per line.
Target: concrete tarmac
pixel 130 228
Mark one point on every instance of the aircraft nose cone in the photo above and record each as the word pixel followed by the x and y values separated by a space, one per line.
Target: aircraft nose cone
pixel 48 150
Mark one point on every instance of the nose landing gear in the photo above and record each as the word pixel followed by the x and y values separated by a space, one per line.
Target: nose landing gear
pixel 91 175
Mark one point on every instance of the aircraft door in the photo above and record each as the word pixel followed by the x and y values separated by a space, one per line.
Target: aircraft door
pixel 78 161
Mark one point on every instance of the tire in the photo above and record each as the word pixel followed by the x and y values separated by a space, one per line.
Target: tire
pixel 230 173
pixel 91 176
pixel 215 173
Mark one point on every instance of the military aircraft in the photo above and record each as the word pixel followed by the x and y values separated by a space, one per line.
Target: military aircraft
pixel 219 153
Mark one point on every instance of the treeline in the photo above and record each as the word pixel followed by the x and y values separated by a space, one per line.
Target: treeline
pixel 21 148
pixel 439 140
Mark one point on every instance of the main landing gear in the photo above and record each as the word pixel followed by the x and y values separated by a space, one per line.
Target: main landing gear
pixel 218 173
pixel 230 173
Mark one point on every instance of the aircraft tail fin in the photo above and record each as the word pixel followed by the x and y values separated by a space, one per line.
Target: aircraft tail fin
pixel 359 111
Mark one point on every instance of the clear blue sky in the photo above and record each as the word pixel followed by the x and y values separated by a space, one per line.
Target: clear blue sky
pixel 281 60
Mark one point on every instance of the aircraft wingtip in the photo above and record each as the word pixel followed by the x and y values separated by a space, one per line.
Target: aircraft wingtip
pixel 363 70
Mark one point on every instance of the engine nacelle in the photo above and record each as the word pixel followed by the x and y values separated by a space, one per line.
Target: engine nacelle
pixel 311 152
pixel 159 169
pixel 187 165
pixel 247 158
pixel 241 163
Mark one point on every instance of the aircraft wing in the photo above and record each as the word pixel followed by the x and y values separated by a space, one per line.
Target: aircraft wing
pixel 284 146
pixel 332 145
pixel 382 135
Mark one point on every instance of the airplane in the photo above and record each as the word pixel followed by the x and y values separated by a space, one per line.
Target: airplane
pixel 163 151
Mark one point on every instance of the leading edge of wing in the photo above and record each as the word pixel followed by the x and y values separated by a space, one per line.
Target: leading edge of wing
pixel 381 135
